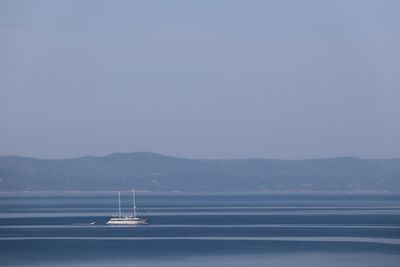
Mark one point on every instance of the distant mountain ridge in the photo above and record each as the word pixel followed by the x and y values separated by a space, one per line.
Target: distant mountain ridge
pixel 155 172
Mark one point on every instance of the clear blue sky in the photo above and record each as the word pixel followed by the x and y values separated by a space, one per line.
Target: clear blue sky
pixel 200 79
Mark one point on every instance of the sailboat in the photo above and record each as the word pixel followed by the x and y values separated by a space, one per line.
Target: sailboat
pixel 127 220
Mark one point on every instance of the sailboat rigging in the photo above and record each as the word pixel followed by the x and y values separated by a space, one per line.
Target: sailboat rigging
pixel 127 220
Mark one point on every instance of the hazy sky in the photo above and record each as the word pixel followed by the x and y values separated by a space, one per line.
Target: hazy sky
pixel 200 79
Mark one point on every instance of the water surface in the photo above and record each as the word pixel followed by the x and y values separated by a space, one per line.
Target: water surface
pixel 202 230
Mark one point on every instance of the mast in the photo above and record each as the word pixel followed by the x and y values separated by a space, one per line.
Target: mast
pixel 119 203
pixel 134 203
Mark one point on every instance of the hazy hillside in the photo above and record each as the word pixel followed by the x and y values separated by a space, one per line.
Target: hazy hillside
pixel 148 171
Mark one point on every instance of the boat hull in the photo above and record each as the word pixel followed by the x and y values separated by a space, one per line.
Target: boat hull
pixel 126 221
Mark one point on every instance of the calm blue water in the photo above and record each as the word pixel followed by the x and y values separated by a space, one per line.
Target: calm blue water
pixel 202 230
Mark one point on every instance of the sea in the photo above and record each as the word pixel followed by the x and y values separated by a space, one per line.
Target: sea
pixel 201 229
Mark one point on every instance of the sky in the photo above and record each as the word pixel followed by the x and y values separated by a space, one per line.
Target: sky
pixel 200 79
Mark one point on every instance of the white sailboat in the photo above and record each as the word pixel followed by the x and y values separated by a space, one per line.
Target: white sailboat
pixel 127 220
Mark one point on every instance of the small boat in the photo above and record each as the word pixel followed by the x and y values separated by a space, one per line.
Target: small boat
pixel 127 220
pixel 84 224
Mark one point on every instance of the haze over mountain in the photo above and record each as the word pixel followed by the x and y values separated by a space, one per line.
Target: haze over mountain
pixel 200 79
pixel 155 172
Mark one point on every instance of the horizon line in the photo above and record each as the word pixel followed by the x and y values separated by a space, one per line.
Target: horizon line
pixel 191 158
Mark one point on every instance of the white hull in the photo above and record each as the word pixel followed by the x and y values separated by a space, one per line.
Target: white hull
pixel 126 221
